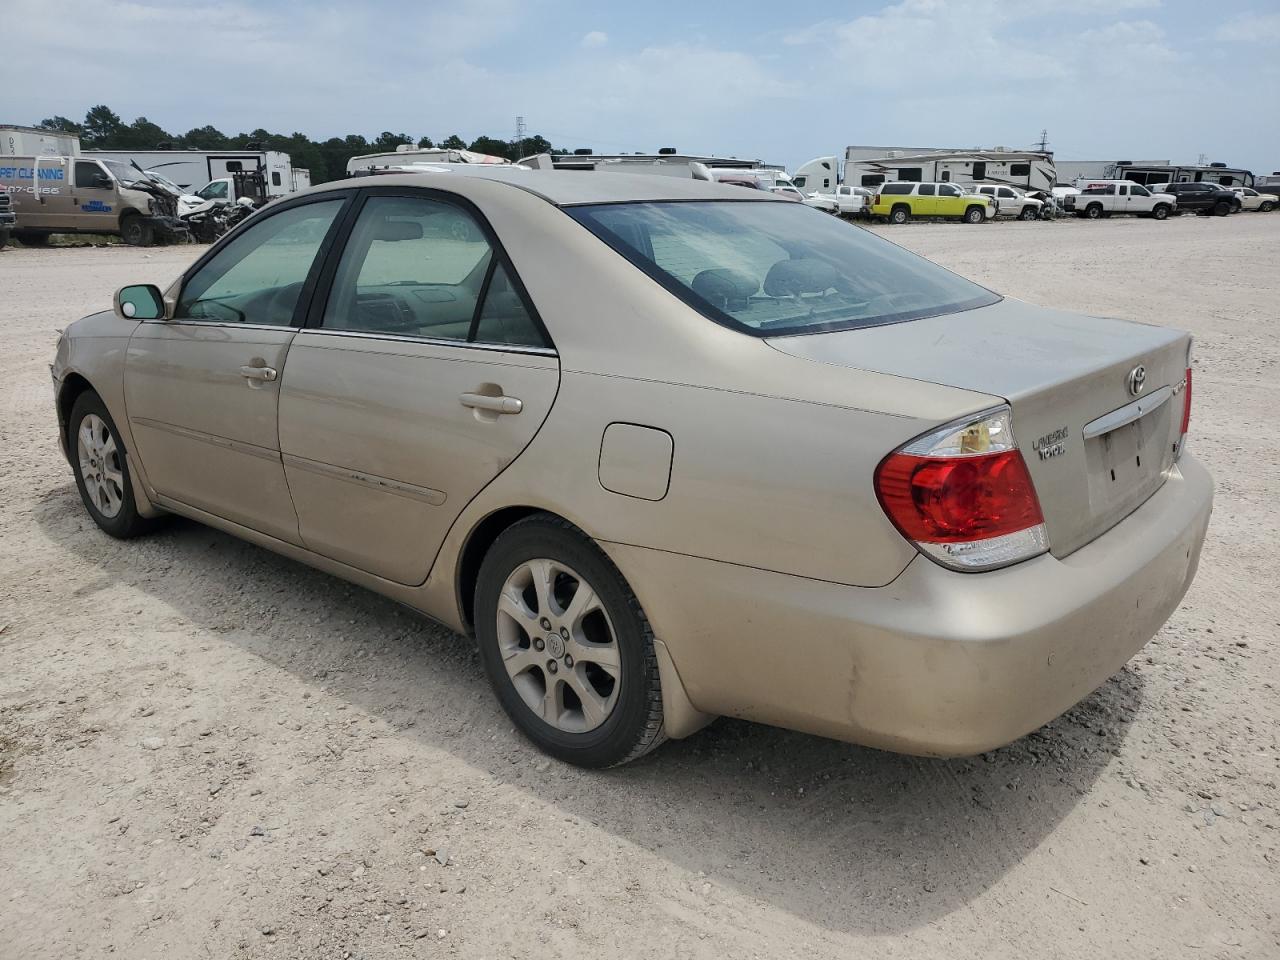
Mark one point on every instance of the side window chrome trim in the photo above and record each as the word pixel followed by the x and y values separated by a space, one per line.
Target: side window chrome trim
pixel 431 341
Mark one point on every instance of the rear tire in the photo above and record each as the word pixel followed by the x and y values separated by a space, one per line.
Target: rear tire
pixel 583 687
pixel 101 467
pixel 136 233
pixel 900 215
pixel 1094 211
pixel 1160 211
pixel 4 239
pixel 974 215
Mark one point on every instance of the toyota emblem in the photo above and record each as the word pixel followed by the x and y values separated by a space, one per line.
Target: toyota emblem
pixel 1137 380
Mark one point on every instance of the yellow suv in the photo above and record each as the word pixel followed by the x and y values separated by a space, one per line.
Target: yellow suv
pixel 899 201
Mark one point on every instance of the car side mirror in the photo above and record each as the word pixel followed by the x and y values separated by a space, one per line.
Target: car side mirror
pixel 141 301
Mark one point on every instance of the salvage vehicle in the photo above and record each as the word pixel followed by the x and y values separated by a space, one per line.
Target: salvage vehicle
pixel 1098 199
pixel 900 201
pixel 7 218
pixel 852 202
pixel 667 449
pixel 1012 203
pixel 77 195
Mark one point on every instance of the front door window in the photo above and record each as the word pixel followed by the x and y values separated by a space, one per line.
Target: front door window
pixel 258 277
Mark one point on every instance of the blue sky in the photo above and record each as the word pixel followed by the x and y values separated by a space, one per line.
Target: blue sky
pixel 1109 79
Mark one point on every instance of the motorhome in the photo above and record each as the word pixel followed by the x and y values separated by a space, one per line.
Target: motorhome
pixel 1028 170
pixel 36 142
pixel 193 170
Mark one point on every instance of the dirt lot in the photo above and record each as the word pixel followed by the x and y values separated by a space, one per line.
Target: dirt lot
pixel 209 751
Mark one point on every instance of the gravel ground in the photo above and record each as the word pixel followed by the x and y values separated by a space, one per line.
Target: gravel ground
pixel 209 751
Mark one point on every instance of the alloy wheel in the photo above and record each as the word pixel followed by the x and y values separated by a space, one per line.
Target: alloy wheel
pixel 558 646
pixel 100 466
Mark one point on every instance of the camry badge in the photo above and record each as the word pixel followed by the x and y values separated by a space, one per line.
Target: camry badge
pixel 1137 380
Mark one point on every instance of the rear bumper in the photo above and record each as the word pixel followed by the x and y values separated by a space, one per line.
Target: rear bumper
pixel 937 662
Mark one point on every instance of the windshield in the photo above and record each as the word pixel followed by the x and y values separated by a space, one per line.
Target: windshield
pixel 771 269
pixel 164 180
pixel 123 172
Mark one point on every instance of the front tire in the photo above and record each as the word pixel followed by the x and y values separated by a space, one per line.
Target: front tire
pixel 566 645
pixel 1266 207
pixel 1222 208
pixel 1160 211
pixel 1028 213
pixel 136 233
pixel 101 467
pixel 974 215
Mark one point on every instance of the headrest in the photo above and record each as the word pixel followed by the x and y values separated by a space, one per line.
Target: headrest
pixel 790 278
pixel 398 230
pixel 721 285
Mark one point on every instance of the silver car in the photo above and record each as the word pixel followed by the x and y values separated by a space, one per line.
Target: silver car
pixel 666 449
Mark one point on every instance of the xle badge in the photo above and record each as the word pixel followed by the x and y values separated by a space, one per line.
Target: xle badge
pixel 1052 444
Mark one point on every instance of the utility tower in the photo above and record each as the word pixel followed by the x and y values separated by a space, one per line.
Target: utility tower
pixel 519 137
pixel 1043 145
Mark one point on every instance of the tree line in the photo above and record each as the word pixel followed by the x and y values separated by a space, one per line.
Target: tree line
pixel 326 160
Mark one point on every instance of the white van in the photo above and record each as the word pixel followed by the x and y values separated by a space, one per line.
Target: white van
pixel 78 194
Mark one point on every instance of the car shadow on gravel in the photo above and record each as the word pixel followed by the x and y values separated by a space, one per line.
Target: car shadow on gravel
pixel 851 839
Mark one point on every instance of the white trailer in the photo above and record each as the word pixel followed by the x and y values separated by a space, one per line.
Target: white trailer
pixel 37 142
pixel 1027 170
pixel 409 154
pixel 193 170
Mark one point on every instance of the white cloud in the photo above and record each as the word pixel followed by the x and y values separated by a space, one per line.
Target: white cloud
pixel 596 38
pixel 1251 28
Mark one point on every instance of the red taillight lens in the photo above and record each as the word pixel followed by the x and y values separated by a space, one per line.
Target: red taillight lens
pixel 963 495
pixel 957 499
pixel 876 201
pixel 1186 403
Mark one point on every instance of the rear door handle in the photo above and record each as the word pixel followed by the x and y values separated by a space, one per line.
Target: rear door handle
pixel 480 401
pixel 259 373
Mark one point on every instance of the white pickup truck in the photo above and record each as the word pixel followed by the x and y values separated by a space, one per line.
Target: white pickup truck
pixel 854 202
pixel 1102 198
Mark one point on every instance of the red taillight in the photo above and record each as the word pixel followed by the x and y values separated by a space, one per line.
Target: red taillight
pixel 1186 403
pixel 963 495
pixel 957 499
pixel 876 202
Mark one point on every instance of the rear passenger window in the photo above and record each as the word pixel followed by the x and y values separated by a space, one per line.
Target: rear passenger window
pixel 927 189
pixel 418 267
pixel 504 317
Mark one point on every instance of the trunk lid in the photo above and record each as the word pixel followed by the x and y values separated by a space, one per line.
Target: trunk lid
pixel 1096 451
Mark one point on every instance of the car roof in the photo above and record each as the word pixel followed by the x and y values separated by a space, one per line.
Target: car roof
pixel 568 187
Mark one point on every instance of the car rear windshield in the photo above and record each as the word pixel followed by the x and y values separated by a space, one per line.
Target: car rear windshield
pixel 774 269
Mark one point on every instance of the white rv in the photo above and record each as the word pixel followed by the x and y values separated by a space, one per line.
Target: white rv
pixel 1027 170
pixel 407 153
pixel 193 170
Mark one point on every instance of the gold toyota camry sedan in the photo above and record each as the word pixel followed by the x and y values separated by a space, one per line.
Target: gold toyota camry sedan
pixel 667 449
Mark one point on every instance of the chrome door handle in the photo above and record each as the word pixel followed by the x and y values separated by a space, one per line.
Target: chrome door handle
pixel 259 373
pixel 492 404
